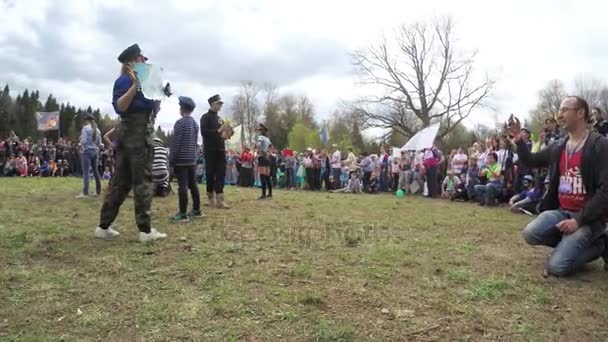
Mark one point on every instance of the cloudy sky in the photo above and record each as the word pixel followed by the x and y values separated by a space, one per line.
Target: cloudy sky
pixel 69 47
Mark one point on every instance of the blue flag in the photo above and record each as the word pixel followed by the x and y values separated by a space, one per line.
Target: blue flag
pixel 324 135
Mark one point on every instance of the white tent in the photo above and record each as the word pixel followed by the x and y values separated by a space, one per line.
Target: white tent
pixel 423 139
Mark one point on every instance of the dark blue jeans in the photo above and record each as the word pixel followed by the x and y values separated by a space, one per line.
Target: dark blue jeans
pixel 487 194
pixel 431 180
pixel 571 251
pixel 89 163
pixel 186 180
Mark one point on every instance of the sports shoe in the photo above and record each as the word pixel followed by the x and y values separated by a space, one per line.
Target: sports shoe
pixel 81 196
pixel 196 214
pixel 153 235
pixel 180 218
pixel 263 197
pixel 105 233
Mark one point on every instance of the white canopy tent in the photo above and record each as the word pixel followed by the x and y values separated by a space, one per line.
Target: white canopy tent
pixel 423 139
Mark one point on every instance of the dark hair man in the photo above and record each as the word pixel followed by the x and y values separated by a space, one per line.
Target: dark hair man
pixel 575 206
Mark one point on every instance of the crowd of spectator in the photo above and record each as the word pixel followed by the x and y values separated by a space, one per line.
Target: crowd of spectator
pixel 46 158
pixel 488 172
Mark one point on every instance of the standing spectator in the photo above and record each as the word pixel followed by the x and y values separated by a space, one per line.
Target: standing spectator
pixel 431 162
pixel 263 145
pixel 336 166
pixel 351 160
pixel 326 170
pixel 290 166
pixel 90 140
pixel 395 171
pixel 367 166
pixel 183 158
pixel 384 163
pixel 573 218
pixel 317 164
pixel 523 170
pixel 405 172
pixel 459 162
pixel 472 178
pixel 231 174
pixel 551 132
pixel 308 164
pixel 246 174
pixel 600 125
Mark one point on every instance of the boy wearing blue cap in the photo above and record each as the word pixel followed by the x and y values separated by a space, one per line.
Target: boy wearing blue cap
pixel 183 159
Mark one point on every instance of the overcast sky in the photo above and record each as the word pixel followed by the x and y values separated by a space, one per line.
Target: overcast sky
pixel 69 47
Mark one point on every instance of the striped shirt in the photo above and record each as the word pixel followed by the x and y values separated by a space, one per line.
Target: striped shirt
pixel 183 146
pixel 160 171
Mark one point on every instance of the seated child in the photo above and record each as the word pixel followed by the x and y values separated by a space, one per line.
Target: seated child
pixel 354 185
pixel 448 187
pixel 460 192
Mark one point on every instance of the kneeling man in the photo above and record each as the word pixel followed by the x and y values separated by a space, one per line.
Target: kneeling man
pixel 574 210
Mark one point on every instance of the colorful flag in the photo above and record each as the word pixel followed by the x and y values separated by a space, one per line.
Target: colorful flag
pixel 47 121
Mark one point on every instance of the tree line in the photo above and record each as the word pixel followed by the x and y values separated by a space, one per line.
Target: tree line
pixel 19 114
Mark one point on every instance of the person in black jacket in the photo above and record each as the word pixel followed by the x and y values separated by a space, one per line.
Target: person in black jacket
pixel 600 125
pixel 214 151
pixel 576 203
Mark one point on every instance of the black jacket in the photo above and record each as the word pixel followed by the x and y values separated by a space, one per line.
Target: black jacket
pixel 212 139
pixel 601 127
pixel 594 172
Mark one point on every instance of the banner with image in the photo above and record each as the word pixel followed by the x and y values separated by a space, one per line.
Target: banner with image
pixel 47 121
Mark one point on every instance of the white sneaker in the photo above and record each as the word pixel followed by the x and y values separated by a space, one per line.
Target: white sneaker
pixel 81 196
pixel 106 233
pixel 152 236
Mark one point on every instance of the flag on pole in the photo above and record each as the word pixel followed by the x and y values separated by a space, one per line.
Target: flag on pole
pixel 47 121
pixel 324 135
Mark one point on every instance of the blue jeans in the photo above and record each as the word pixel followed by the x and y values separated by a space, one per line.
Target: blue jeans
pixel 89 162
pixel 571 251
pixel 290 178
pixel 488 193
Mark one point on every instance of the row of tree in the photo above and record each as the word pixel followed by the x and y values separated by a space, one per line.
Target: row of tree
pixel 291 120
pixel 19 114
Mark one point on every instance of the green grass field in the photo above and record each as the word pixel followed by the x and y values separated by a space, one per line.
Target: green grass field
pixel 302 267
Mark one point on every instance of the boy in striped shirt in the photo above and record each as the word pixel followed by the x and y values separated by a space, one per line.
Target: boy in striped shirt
pixel 183 159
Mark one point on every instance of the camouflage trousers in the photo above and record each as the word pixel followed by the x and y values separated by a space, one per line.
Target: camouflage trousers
pixel 133 170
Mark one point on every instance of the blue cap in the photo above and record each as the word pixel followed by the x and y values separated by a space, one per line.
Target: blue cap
pixel 187 102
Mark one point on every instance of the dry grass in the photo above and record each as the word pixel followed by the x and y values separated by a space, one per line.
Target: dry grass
pixel 317 267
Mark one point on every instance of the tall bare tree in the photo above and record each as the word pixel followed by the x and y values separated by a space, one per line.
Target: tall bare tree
pixel 425 79
pixel 549 100
pixel 589 88
pixel 246 110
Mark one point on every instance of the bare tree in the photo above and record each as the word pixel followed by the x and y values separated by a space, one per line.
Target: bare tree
pixel 246 110
pixel 589 88
pixel 549 101
pixel 424 77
